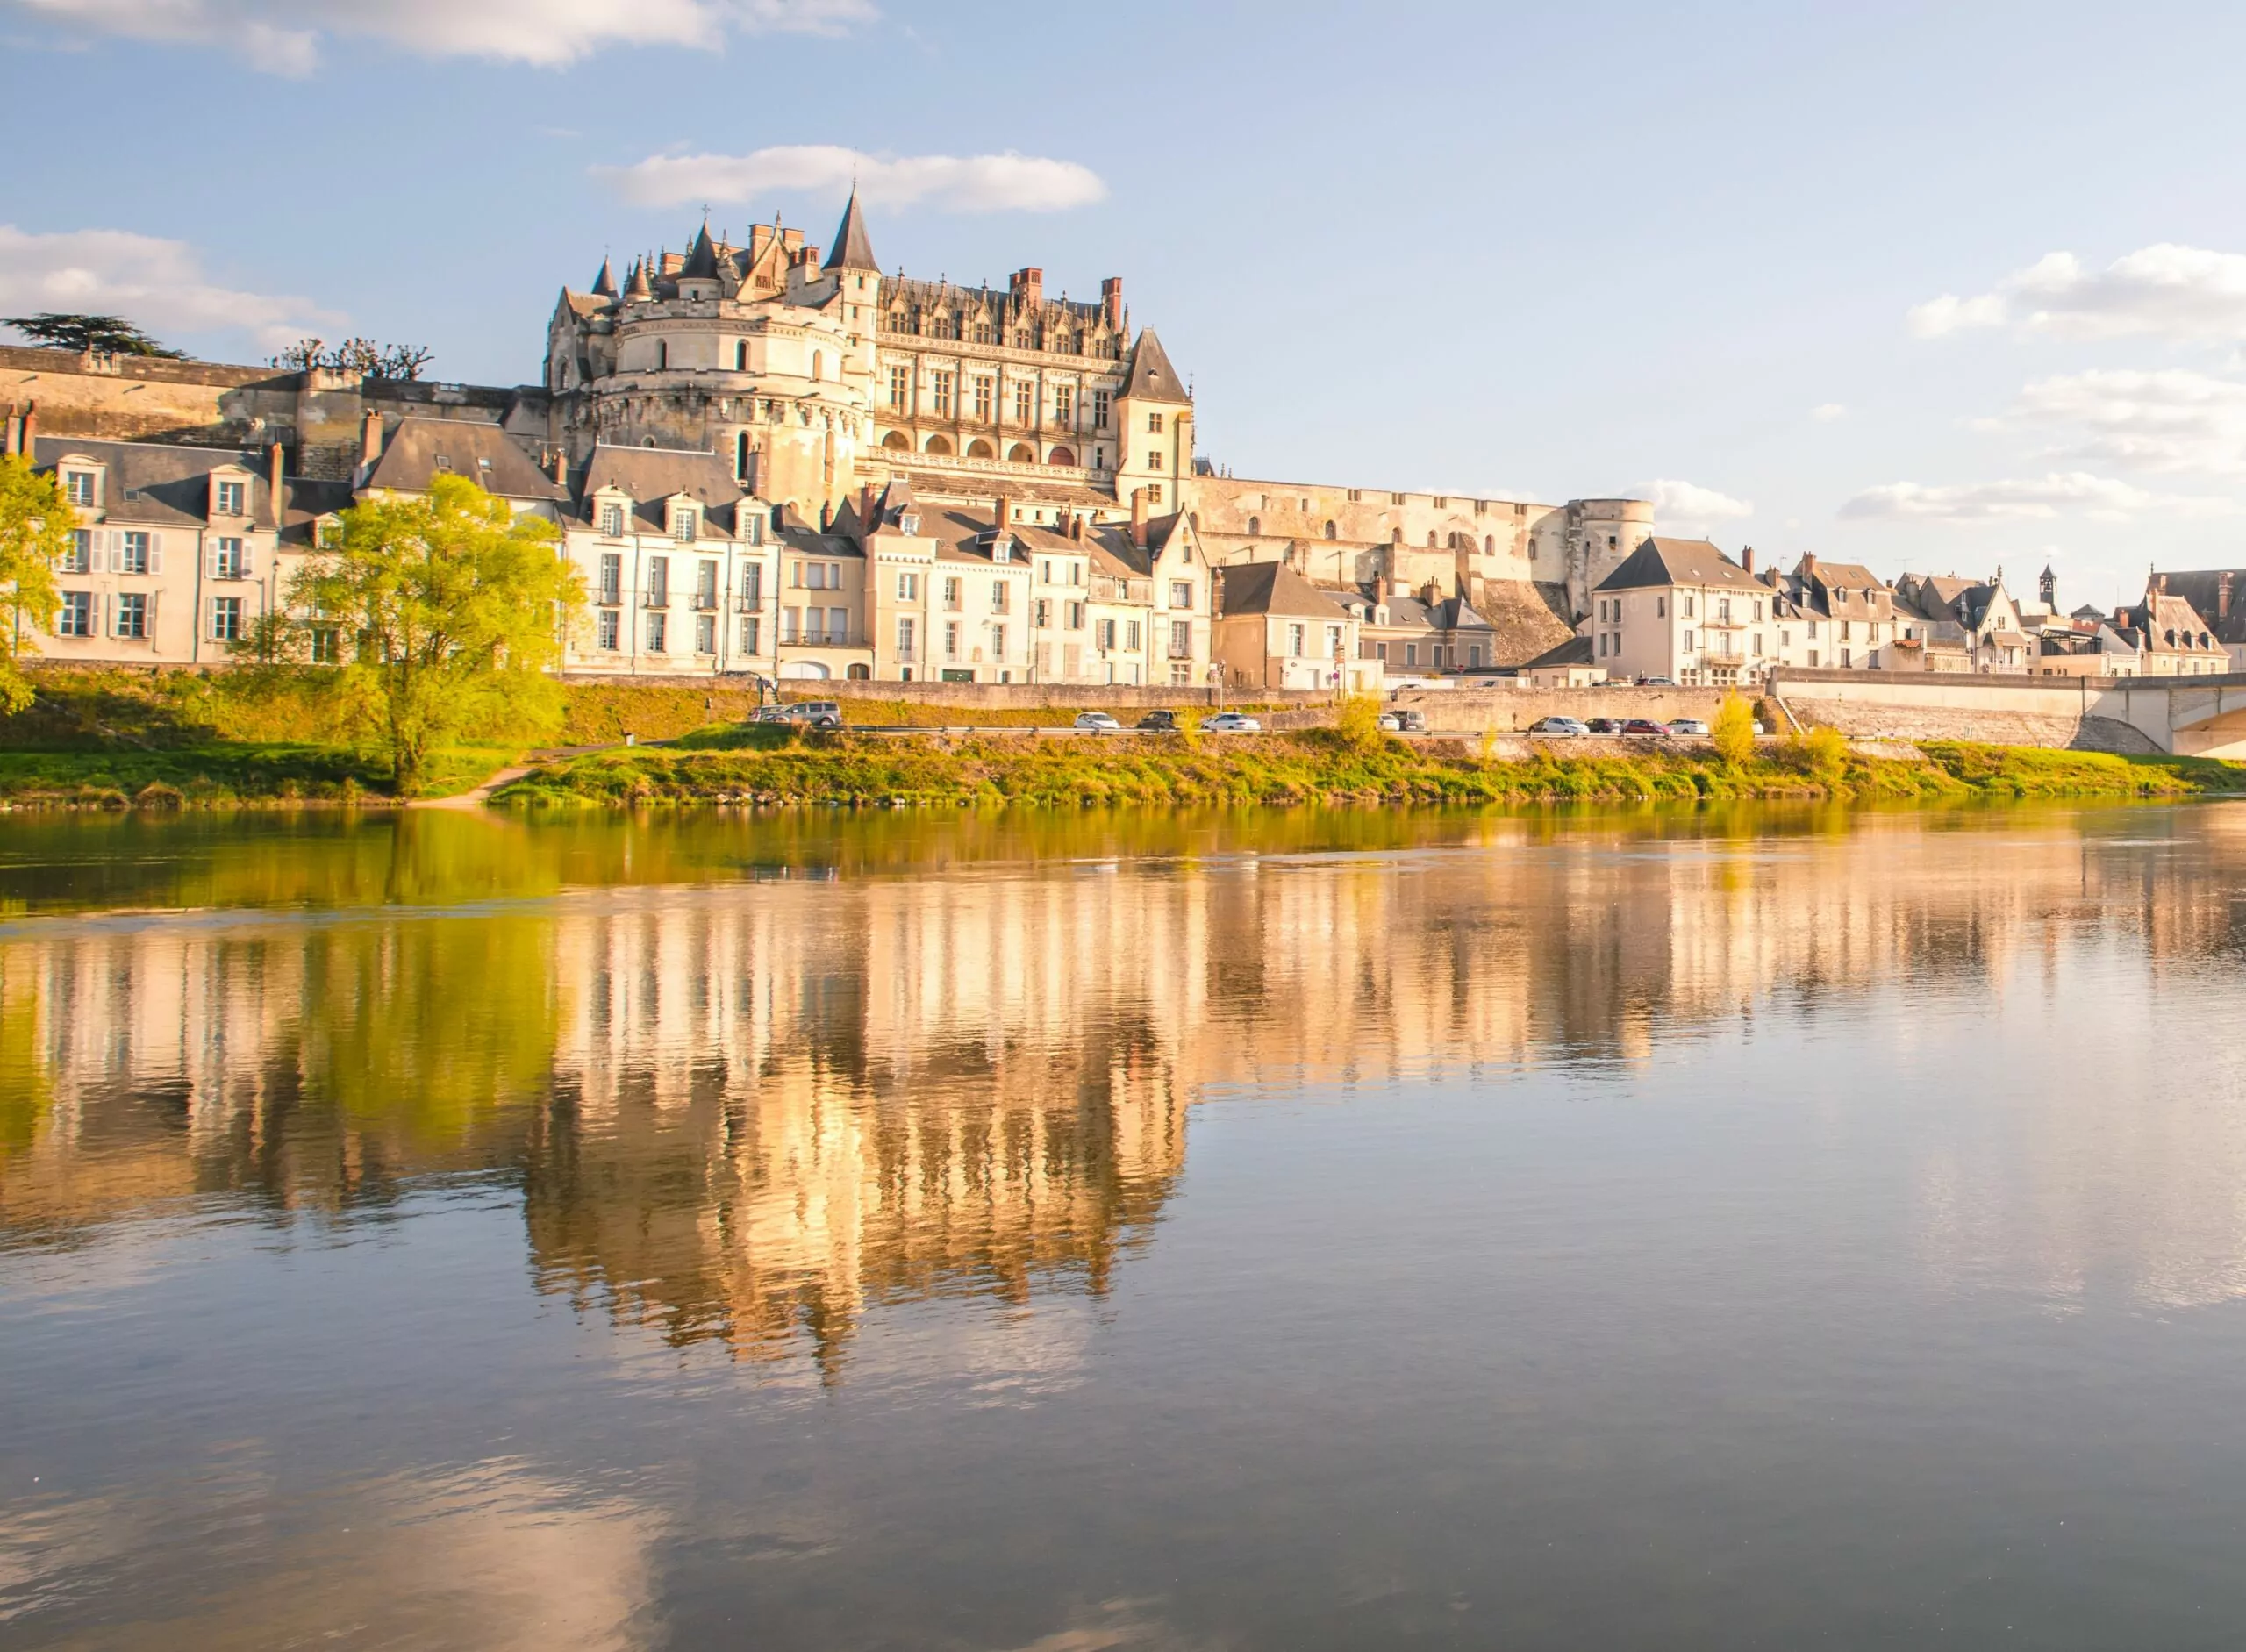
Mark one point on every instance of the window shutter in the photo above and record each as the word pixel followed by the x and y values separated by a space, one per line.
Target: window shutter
pixel 210 557
pixel 97 550
pixel 155 553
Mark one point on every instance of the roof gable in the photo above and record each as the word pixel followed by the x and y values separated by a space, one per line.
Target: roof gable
pixel 1152 377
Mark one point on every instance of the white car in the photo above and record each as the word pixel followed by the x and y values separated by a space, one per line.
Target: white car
pixel 1688 726
pixel 1096 723
pixel 1232 723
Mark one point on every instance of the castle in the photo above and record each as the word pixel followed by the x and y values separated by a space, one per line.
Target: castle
pixel 790 409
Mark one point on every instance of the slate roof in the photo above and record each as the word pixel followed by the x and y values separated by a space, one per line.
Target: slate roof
pixel 422 449
pixel 160 485
pixel 1273 588
pixel 1660 561
pixel 702 258
pixel 853 248
pixel 652 476
pixel 604 283
pixel 1152 377
pixel 1574 651
pixel 2204 591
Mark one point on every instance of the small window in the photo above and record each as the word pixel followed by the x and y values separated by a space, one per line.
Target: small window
pixel 740 355
pixel 78 486
pixel 230 499
pixel 688 525
pixel 612 521
pixel 1154 424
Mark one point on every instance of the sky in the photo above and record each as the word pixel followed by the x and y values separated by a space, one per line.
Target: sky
pixel 1934 287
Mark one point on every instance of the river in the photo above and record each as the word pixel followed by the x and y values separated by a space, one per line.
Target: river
pixel 1751 1227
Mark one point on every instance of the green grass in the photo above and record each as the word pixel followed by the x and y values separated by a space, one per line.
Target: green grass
pixel 781 766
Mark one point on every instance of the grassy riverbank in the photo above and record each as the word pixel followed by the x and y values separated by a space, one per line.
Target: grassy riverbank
pixel 780 767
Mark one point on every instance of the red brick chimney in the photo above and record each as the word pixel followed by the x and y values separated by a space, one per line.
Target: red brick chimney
pixel 27 432
pixel 1075 527
pixel 280 499
pixel 1138 516
pixel 370 438
pixel 558 464
pixel 1747 558
pixel 1002 514
pixel 1027 286
pixel 1111 299
pixel 1809 565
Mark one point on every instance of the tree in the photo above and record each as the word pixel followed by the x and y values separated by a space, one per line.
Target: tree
pixel 362 356
pixel 104 335
pixel 35 523
pixel 453 606
pixel 1733 732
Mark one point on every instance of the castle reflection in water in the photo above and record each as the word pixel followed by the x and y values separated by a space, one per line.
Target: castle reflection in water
pixel 750 1110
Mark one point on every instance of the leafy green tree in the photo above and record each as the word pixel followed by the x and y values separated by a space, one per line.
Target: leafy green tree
pixel 454 607
pixel 1359 723
pixel 1733 732
pixel 109 335
pixel 35 523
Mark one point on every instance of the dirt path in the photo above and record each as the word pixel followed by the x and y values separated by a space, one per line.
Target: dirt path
pixel 477 797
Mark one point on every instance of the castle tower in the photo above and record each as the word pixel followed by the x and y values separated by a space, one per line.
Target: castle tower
pixel 1154 430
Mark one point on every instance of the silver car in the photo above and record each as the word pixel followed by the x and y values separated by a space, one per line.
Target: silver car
pixel 1096 723
pixel 1232 723
pixel 1688 726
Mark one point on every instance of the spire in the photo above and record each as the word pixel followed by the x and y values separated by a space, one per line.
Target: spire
pixel 604 283
pixel 853 248
pixel 1152 377
pixel 637 287
pixel 702 258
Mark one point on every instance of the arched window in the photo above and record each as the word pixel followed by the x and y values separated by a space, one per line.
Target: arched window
pixel 1061 456
pixel 1430 539
pixel 861 671
pixel 740 456
pixel 1396 536
pixel 898 440
pixel 662 355
pixel 740 355
pixel 1019 453
pixel 817 364
pixel 936 445
pixel 980 449
pixel 1490 545
pixel 1255 527
pixel 1331 532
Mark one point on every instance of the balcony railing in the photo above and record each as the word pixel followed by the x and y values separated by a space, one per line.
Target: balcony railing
pixel 655 599
pixel 705 601
pixel 748 604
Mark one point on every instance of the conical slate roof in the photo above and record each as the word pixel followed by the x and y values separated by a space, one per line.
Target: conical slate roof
pixel 1152 377
pixel 702 261
pixel 637 287
pixel 853 248
pixel 604 283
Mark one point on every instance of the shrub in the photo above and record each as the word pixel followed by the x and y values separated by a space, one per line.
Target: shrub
pixel 157 795
pixel 1822 753
pixel 1360 722
pixel 1733 732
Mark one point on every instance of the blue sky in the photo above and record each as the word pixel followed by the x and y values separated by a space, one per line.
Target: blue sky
pixel 1550 251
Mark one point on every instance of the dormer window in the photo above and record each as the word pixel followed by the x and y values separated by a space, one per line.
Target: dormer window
pixel 1002 548
pixel 79 486
pixel 909 524
pixel 611 520
pixel 229 500
pixel 685 524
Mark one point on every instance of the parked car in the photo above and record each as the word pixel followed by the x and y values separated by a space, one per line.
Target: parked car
pixel 1658 683
pixel 1603 725
pixel 1232 723
pixel 1404 721
pixel 811 713
pixel 1559 728
pixel 1158 723
pixel 1644 725
pixel 1096 723
pixel 769 714
pixel 1688 726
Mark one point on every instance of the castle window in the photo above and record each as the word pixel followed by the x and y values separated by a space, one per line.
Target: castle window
pixel 1331 532
pixel 740 456
pixel 1430 539
pixel 1065 404
pixel 818 365
pixel 1153 493
pixel 1154 461
pixel 1490 545
pixel 1154 424
pixel 1099 409
pixel 1025 401
pixel 899 379
pixel 984 333
pixel 1255 527
pixel 940 395
pixel 1024 339
pixel 740 355
pixel 662 355
pixel 983 395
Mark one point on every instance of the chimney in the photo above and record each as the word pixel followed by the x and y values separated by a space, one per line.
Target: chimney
pixel 1002 514
pixel 27 432
pixel 1111 300
pixel 1027 286
pixel 1138 516
pixel 279 498
pixel 1076 526
pixel 2223 593
pixel 1809 565
pixel 370 438
pixel 1747 559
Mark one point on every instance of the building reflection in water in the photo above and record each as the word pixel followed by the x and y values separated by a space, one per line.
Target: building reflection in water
pixel 751 1112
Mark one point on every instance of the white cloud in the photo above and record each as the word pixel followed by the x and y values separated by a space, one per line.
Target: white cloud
pixel 1826 412
pixel 2165 291
pixel 1688 503
pixel 284 37
pixel 2058 494
pixel 2161 421
pixel 967 183
pixel 158 283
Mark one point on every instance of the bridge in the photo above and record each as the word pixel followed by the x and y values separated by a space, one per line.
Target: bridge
pixel 2185 716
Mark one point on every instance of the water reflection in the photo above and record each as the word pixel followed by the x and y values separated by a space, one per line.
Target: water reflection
pixel 747 1109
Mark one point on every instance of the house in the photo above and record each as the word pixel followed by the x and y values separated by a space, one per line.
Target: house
pixel 1275 630
pixel 1568 666
pixel 1682 610
pixel 1962 624
pixel 2169 634
pixel 2218 596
